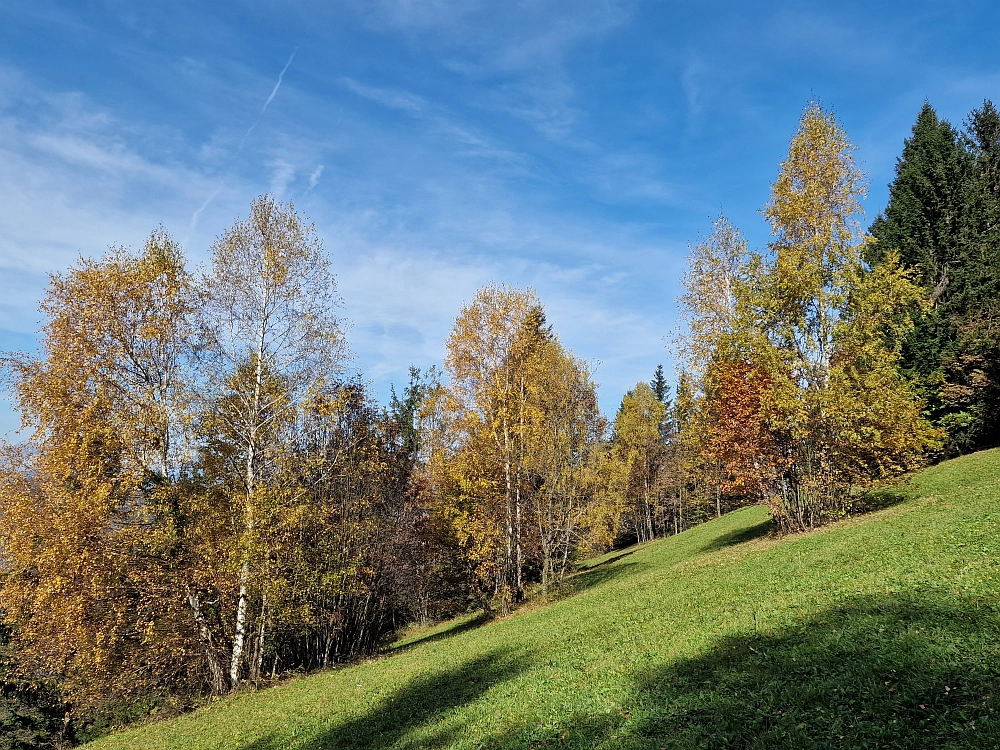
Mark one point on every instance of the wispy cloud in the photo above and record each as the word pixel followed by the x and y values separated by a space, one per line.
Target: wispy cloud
pixel 386 97
pixel 314 177
pixel 194 217
pixel 76 179
pixel 517 53
pixel 282 174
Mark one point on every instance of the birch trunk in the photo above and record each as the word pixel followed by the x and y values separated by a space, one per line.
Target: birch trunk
pixel 239 638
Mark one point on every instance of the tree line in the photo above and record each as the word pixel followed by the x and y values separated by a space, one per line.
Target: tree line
pixel 209 498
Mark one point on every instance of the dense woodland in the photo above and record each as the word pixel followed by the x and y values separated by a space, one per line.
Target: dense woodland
pixel 208 498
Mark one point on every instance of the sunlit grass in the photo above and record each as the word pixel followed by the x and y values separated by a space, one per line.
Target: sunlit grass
pixel 879 631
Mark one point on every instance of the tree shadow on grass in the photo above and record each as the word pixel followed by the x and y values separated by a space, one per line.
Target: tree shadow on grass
pixel 599 574
pixel 459 627
pixel 901 671
pixel 739 536
pixel 906 671
pixel 884 497
pixel 418 708
pixel 608 561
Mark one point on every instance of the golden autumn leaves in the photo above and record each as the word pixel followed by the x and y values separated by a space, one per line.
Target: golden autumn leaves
pixel 206 496
pixel 511 443
pixel 796 351
pixel 193 444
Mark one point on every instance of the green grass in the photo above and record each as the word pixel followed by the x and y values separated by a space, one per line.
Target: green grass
pixel 879 631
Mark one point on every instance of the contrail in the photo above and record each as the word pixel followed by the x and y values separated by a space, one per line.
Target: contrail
pixel 196 214
pixel 314 179
pixel 274 93
pixel 239 149
pixel 249 131
pixel 278 84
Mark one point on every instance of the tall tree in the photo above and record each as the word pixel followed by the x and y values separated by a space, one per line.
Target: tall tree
pixel 509 438
pixel 972 369
pixel 659 386
pixel 638 451
pixel 484 421
pixel 717 342
pixel 88 514
pixel 714 285
pixel 272 337
pixel 565 427
pixel 942 221
pixel 815 301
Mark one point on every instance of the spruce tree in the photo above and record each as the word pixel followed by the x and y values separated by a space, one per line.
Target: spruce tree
pixel 924 220
pixel 661 390
pixel 659 384
pixel 975 302
pixel 923 223
pixel 943 218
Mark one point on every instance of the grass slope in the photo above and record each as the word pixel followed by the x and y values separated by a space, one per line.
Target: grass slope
pixel 881 631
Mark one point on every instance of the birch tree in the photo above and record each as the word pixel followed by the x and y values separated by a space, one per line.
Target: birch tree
pixel 832 334
pixel 483 448
pixel 638 451
pixel 271 336
pixel 565 427
pixel 714 288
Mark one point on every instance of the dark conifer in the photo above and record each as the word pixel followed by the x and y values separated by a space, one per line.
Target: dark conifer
pixel 659 384
pixel 943 218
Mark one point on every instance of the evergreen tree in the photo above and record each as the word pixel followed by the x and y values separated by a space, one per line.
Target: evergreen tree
pixel 943 218
pixel 405 410
pixel 922 223
pixel 924 220
pixel 659 385
pixel 661 390
pixel 975 303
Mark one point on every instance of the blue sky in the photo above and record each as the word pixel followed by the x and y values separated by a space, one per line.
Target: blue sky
pixel 576 147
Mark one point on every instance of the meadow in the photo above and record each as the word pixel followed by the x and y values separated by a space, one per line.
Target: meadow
pixel 881 630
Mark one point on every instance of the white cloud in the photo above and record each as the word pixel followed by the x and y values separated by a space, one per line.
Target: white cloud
pixel 314 177
pixel 74 184
pixel 282 173
pixel 418 212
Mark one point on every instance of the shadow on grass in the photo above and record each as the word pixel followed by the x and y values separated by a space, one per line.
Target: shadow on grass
pixel 897 671
pixel 599 574
pixel 739 536
pixel 878 499
pixel 877 672
pixel 460 627
pixel 417 709
pixel 615 558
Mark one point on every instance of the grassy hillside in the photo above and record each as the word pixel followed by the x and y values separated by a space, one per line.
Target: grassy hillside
pixel 880 631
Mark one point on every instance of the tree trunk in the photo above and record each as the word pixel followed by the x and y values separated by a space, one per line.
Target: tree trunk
pixel 258 661
pixel 518 585
pixel 239 638
pixel 509 558
pixel 217 678
pixel 241 613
